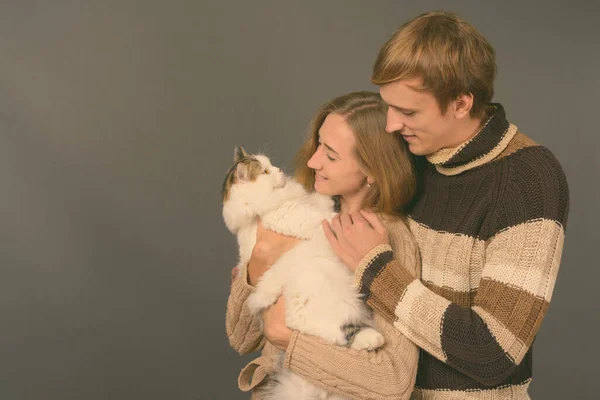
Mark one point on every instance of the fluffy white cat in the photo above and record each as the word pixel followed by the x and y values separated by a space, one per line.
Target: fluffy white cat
pixel 320 293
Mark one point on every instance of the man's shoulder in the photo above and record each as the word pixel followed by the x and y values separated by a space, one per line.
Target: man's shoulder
pixel 535 185
pixel 524 151
pixel 531 162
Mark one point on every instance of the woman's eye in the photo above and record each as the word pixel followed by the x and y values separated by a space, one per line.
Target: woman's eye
pixel 408 113
pixel 330 158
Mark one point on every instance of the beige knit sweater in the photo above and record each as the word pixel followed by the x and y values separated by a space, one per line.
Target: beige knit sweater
pixel 386 373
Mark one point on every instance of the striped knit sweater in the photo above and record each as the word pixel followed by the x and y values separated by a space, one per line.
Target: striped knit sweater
pixel 490 224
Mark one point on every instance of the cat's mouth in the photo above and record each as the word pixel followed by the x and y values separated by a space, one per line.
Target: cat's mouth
pixel 281 182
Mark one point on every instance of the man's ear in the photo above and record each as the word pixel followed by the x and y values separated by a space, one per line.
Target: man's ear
pixel 239 153
pixel 241 172
pixel 461 106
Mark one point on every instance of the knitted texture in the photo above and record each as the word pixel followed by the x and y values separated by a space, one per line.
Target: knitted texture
pixel 386 373
pixel 243 329
pixel 490 224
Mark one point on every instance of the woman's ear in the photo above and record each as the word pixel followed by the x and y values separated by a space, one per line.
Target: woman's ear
pixel 370 181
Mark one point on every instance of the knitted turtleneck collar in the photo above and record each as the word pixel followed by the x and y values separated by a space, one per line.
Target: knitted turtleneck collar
pixel 486 145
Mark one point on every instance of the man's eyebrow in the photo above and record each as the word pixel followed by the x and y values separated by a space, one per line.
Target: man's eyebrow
pixel 401 108
pixel 397 107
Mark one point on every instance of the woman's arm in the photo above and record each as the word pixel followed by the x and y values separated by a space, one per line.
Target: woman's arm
pixel 243 328
pixel 387 373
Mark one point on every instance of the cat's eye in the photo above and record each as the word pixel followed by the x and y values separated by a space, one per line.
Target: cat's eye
pixel 266 171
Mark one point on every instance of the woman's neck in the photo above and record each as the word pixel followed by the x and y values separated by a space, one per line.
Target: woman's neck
pixel 352 204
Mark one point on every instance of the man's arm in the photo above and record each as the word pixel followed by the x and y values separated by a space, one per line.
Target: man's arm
pixel 486 341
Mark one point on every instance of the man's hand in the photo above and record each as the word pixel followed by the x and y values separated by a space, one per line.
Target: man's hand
pixel 276 331
pixel 352 236
pixel 268 248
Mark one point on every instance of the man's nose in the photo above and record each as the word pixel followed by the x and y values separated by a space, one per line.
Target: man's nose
pixel 393 123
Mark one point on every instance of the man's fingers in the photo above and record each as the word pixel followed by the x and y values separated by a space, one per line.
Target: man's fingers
pixel 358 219
pixel 346 220
pixel 330 235
pixel 339 228
pixel 336 225
pixel 374 221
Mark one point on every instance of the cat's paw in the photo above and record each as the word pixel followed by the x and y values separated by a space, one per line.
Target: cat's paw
pixel 367 339
pixel 257 302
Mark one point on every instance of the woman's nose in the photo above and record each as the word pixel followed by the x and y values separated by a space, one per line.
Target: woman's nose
pixel 313 161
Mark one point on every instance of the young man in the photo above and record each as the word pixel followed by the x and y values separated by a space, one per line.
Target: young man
pixel 489 221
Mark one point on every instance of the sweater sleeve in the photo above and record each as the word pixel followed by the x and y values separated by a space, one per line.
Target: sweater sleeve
pixel 386 373
pixel 243 328
pixel 522 256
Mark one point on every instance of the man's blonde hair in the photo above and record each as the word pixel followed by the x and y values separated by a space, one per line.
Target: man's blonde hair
pixel 449 55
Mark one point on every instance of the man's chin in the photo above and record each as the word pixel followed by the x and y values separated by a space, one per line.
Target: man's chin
pixel 417 150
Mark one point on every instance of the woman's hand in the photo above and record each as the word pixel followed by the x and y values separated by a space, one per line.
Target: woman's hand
pixel 235 272
pixel 269 247
pixel 276 331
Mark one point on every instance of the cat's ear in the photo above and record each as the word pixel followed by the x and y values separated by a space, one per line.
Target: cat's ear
pixel 239 153
pixel 241 172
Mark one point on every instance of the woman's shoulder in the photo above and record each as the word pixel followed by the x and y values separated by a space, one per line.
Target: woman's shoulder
pixel 397 226
pixel 403 242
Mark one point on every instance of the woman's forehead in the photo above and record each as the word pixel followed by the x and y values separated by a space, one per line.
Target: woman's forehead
pixel 336 133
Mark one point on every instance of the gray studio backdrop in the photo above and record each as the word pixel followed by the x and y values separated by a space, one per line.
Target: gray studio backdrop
pixel 118 120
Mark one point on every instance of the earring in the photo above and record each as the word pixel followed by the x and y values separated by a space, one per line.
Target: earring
pixel 368 185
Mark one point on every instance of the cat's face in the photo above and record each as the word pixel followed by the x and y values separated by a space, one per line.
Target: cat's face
pixel 251 174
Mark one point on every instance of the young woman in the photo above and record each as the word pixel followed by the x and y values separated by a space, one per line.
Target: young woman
pixel 350 156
